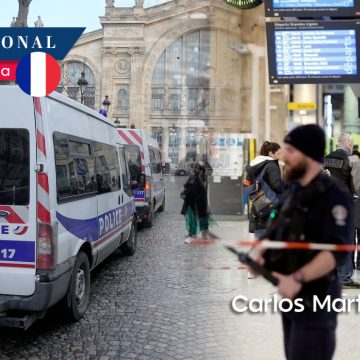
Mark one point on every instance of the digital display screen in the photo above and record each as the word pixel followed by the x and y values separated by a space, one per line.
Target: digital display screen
pixel 313 52
pixel 312 8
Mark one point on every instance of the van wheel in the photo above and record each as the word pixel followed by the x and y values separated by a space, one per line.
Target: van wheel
pixel 162 206
pixel 129 247
pixel 77 297
pixel 149 222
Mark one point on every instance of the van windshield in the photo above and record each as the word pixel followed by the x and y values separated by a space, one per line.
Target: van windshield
pixel 132 153
pixel 14 167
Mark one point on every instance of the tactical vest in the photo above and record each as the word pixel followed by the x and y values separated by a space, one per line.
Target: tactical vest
pixel 338 164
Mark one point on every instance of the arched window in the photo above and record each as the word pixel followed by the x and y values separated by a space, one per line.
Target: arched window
pixel 70 74
pixel 123 101
pixel 191 69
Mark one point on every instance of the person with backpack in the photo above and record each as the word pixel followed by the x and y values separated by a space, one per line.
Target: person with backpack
pixel 267 165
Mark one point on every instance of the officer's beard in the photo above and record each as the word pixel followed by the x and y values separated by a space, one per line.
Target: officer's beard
pixel 295 172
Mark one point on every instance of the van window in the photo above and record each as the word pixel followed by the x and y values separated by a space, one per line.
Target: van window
pixel 75 168
pixel 133 157
pixel 14 167
pixel 158 160
pixel 125 176
pixel 155 160
pixel 107 168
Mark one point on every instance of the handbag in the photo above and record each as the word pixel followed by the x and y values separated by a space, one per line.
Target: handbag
pixel 183 194
pixel 264 199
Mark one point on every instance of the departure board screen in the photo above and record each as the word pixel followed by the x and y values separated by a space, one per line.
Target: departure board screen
pixel 312 8
pixel 310 52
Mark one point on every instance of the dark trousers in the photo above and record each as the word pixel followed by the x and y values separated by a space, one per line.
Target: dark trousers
pixel 307 343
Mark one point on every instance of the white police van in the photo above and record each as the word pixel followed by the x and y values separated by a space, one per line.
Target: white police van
pixel 144 158
pixel 65 203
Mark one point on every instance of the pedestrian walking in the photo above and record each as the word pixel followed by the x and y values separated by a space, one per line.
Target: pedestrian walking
pixel 267 161
pixel 195 207
pixel 345 169
pixel 320 211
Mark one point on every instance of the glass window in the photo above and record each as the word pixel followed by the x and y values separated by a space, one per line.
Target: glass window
pixel 70 74
pixel 79 148
pixel 158 160
pixel 157 133
pixel 155 160
pixel 158 99
pixel 174 62
pixel 125 176
pixel 123 100
pixel 107 168
pixel 159 72
pixel 175 97
pixel 14 167
pixel 133 157
pixel 75 169
pixel 174 141
pixel 192 50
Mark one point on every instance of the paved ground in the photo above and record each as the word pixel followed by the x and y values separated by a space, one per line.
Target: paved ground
pixel 169 301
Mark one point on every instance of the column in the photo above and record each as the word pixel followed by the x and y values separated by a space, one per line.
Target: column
pixel 165 143
pixel 136 88
pixel 351 120
pixel 182 146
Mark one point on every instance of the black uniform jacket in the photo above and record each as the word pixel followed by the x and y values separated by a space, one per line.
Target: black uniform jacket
pixel 196 197
pixel 321 212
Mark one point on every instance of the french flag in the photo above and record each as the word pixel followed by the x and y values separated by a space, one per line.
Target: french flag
pixel 38 74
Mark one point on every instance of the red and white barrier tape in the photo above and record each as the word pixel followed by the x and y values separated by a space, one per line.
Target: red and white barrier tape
pixel 267 244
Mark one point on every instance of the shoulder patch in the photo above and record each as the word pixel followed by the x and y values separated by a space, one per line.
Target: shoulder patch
pixel 340 213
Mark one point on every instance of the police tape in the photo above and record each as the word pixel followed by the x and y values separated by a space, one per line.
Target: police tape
pixel 278 245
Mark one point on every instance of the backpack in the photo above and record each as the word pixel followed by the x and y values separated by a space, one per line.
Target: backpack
pixel 264 199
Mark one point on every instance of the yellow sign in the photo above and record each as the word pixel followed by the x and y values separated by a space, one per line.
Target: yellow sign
pixel 301 106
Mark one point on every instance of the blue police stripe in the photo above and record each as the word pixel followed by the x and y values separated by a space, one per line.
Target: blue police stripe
pixel 89 229
pixel 23 74
pixel 24 250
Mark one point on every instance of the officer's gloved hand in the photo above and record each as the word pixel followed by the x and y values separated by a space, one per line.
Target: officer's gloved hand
pixel 288 287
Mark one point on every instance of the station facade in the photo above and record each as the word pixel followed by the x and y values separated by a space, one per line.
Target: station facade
pixel 185 69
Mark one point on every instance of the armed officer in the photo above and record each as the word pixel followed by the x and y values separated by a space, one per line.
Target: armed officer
pixel 318 211
pixel 346 172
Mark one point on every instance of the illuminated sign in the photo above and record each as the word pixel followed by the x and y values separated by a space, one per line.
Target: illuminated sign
pixel 312 8
pixel 301 106
pixel 244 4
pixel 313 52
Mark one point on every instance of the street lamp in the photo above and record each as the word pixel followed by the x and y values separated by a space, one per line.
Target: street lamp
pixel 106 103
pixel 82 82
pixel 117 122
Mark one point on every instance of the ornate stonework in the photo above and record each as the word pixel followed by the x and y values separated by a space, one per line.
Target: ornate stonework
pixel 122 66
pixel 124 32
pixel 136 50
pixel 132 41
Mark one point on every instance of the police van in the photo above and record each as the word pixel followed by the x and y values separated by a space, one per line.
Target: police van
pixel 144 158
pixel 65 203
